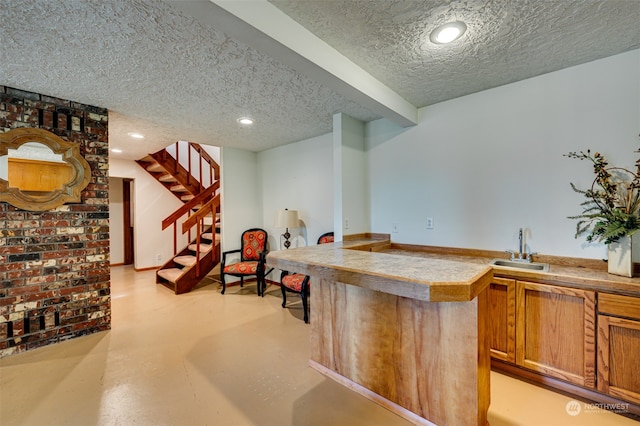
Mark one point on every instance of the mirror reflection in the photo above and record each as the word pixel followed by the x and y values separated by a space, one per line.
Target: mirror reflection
pixel 39 170
pixel 34 167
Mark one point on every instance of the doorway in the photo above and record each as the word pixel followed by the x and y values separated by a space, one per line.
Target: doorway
pixel 127 215
pixel 121 221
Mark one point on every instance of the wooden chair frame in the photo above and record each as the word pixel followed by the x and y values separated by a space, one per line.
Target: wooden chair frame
pixel 304 289
pixel 260 272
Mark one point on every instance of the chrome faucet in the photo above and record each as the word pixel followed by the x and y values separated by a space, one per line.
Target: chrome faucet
pixel 522 256
pixel 520 238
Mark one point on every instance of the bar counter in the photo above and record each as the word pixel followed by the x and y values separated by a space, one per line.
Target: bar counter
pixel 406 332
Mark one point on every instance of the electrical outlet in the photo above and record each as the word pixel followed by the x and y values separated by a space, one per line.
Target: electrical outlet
pixel 346 224
pixel 158 257
pixel 395 228
pixel 429 223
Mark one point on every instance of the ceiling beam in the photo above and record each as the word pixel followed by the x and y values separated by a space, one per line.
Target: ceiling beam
pixel 266 28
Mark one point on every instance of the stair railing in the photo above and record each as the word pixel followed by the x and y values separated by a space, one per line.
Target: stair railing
pixel 186 209
pixel 197 220
pixel 193 178
pixel 206 192
pixel 203 157
pixel 214 167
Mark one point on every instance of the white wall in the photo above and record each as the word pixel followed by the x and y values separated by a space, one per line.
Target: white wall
pixel 241 199
pixel 152 203
pixel 351 212
pixel 298 176
pixel 487 164
pixel 116 221
pixel 482 166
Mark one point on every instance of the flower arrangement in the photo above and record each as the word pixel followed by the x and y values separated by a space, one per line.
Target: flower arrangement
pixel 612 205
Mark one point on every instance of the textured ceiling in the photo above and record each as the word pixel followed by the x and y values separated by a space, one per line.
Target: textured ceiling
pixel 506 40
pixel 169 75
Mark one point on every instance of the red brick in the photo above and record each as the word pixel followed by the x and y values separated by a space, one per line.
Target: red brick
pixel 11 249
pixel 41 279
pixel 55 285
pixel 8 301
pixel 22 290
pixel 72 290
pixel 23 273
pixel 18 328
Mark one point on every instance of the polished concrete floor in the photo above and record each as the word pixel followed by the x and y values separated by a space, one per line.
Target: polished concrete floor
pixel 207 359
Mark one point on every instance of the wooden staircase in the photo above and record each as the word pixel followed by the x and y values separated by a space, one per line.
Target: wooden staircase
pixel 199 215
pixel 178 179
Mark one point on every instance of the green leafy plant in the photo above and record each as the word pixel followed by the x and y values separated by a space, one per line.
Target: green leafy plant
pixel 612 204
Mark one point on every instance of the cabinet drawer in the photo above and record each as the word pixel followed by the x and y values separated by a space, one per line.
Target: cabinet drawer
pixel 621 306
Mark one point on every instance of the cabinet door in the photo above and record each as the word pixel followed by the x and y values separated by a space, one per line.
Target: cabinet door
pixel 502 319
pixel 555 332
pixel 619 347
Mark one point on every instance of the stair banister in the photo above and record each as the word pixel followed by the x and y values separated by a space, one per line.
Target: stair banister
pixel 189 174
pixel 203 196
pixel 187 208
pixel 215 175
pixel 200 169
pixel 167 161
pixel 177 157
pixel 197 219
pixel 209 207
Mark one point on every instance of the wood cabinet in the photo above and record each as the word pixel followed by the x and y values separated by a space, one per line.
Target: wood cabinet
pixel 502 319
pixel 619 346
pixel 555 331
pixel 544 328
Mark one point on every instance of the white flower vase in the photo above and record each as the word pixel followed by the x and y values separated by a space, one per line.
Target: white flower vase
pixel 622 256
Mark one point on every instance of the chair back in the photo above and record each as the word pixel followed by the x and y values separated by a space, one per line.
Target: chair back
pixel 326 238
pixel 253 243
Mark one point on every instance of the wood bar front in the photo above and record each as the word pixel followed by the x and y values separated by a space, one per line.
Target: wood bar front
pixel 427 361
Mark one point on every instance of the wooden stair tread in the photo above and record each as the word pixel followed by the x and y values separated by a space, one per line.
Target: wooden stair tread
pixel 204 248
pixel 187 260
pixel 210 236
pixel 171 274
pixel 178 188
pixel 155 168
pixel 167 178
pixel 187 197
pixel 148 159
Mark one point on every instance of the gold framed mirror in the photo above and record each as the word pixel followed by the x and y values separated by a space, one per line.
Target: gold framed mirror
pixel 40 171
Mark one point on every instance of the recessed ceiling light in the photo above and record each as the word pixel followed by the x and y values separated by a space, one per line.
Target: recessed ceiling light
pixel 448 32
pixel 245 120
pixel 136 135
pixel 116 150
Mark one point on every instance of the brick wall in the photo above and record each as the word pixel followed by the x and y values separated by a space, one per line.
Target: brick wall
pixel 54 265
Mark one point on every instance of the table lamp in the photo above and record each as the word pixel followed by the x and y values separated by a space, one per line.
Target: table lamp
pixel 286 219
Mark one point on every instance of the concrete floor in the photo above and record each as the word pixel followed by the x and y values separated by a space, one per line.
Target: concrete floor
pixel 206 359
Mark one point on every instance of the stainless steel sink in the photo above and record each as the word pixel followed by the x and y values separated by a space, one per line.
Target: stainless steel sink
pixel 531 266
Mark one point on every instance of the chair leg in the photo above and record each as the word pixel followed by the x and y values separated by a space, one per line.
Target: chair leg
pixel 284 295
pixel 224 284
pixel 305 307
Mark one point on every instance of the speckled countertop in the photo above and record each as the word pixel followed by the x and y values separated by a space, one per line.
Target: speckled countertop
pixel 429 279
pixel 584 278
pixel 427 275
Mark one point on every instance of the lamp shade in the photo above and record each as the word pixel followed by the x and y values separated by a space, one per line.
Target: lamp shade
pixel 286 219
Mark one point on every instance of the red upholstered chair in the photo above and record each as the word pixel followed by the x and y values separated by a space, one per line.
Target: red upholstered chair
pixel 253 251
pixel 299 283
